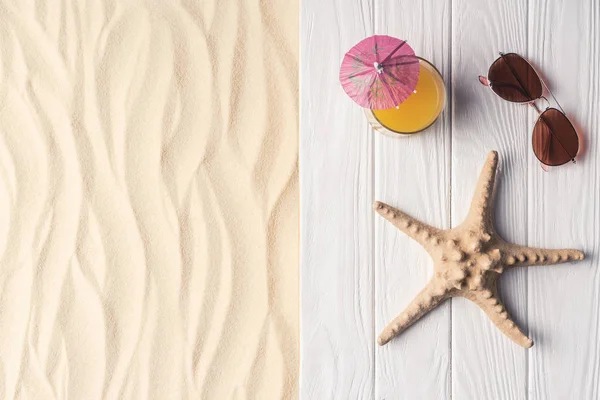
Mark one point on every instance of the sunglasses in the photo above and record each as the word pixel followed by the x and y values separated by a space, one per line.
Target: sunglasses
pixel 555 141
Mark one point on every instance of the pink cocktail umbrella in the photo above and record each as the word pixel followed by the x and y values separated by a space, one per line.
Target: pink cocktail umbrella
pixel 380 72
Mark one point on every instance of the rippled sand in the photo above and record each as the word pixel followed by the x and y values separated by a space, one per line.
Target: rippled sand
pixel 148 199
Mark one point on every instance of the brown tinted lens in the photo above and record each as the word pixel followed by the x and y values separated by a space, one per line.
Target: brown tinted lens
pixel 513 79
pixel 555 141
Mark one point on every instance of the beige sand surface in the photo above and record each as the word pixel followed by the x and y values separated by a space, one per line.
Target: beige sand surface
pixel 148 199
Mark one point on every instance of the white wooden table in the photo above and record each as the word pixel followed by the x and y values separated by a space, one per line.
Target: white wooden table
pixel 358 271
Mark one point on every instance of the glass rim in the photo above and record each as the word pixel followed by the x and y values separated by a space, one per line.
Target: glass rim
pixel 379 126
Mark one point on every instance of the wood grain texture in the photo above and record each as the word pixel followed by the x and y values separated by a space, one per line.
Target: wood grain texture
pixel 563 207
pixel 357 269
pixel 485 363
pixel 336 216
pixel 413 174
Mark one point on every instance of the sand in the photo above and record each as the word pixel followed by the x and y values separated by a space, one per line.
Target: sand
pixel 149 199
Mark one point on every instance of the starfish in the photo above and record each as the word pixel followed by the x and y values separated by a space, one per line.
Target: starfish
pixel 468 260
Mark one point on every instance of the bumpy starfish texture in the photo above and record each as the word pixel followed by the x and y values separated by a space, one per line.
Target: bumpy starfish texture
pixel 468 260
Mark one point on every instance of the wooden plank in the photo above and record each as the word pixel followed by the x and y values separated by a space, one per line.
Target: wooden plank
pixel 485 363
pixel 563 207
pixel 412 174
pixel 336 216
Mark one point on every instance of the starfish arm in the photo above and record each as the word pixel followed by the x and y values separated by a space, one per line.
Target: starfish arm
pixel 490 304
pixel 481 204
pixel 519 256
pixel 429 298
pixel 417 230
